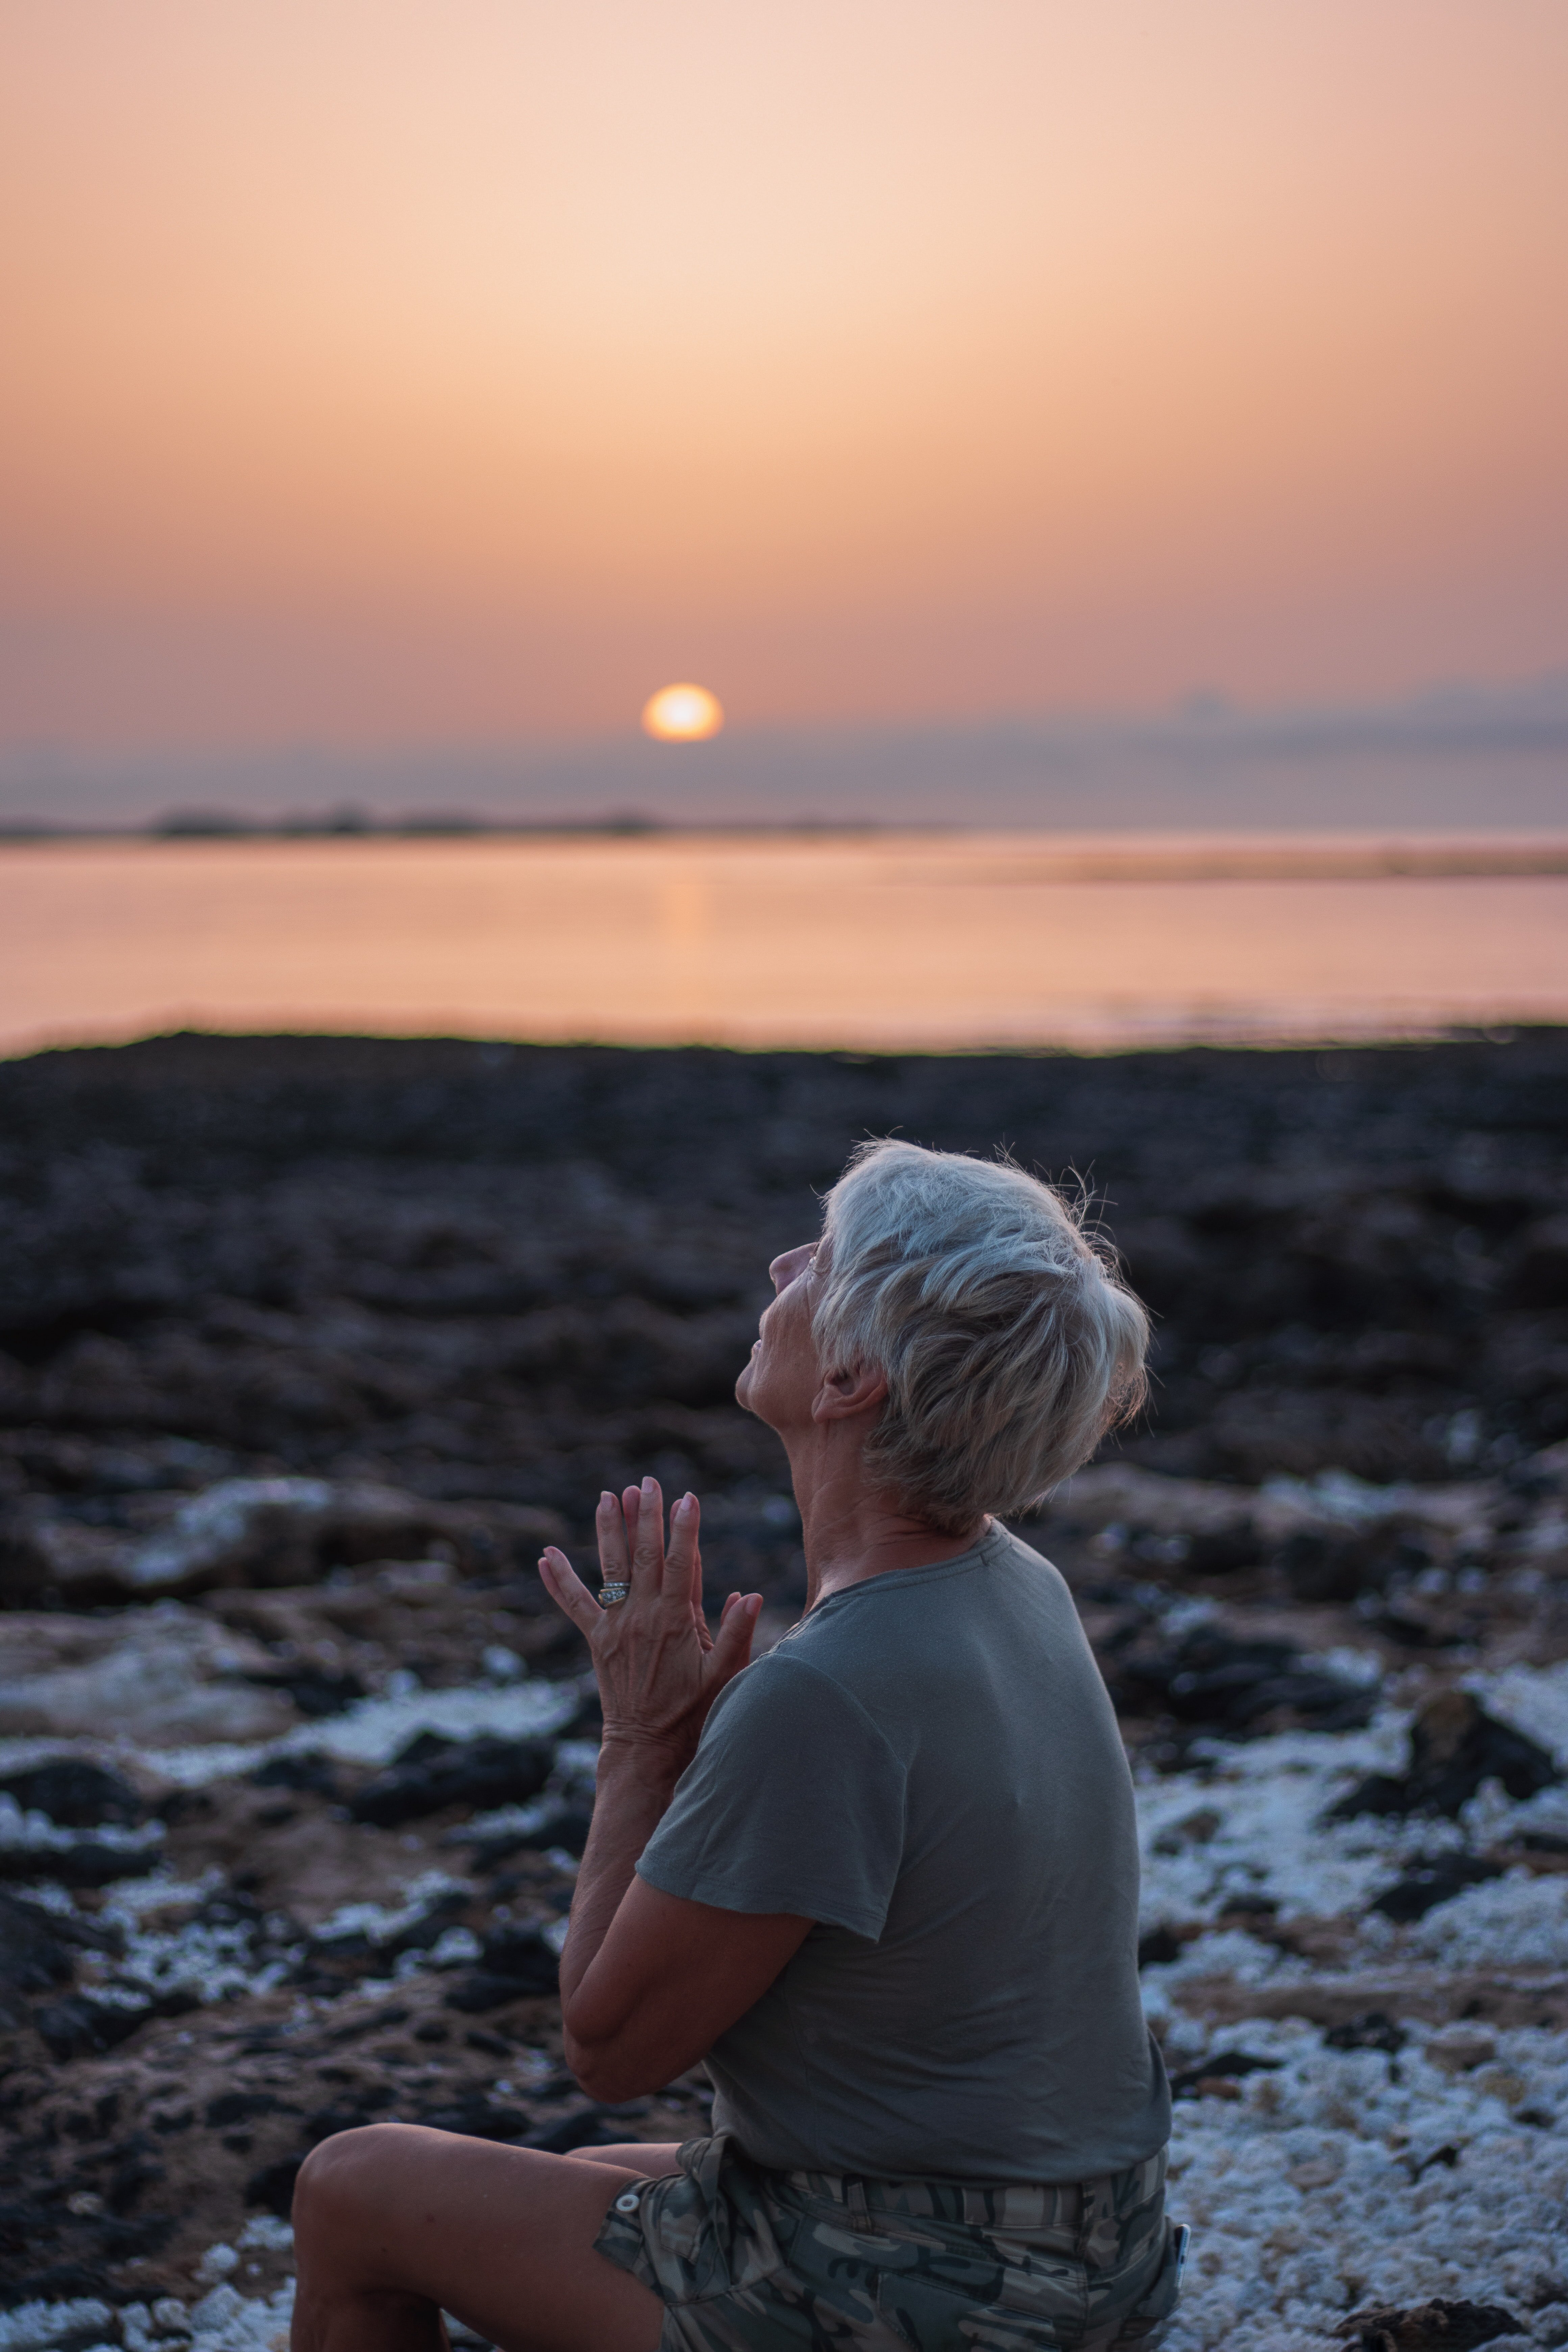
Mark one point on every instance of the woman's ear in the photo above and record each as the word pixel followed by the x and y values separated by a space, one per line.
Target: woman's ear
pixel 844 1394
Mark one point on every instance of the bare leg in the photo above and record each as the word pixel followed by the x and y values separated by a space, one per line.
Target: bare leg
pixel 395 2224
pixel 647 2159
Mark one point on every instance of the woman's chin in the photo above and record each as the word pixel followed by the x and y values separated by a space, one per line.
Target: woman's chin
pixel 750 1393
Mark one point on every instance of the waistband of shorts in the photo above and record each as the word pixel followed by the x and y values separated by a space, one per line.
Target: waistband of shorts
pixel 1013 2206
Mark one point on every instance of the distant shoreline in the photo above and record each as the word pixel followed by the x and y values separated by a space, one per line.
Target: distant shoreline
pixel 1055 856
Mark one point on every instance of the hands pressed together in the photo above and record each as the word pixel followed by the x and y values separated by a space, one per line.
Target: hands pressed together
pixel 650 1980
pixel 660 1669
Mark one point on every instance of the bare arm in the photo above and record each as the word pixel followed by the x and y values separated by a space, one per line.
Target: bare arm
pixel 649 1981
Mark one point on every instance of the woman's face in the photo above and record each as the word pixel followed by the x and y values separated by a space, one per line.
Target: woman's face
pixel 783 1375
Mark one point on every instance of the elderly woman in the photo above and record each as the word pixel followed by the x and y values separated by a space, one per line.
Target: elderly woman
pixel 884 1880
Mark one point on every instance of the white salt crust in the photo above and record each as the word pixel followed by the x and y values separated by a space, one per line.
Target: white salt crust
pixel 1340 2178
pixel 1347 2178
pixel 375 1730
pixel 1250 1820
pixel 372 1731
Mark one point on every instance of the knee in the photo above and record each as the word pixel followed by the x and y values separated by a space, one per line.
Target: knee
pixel 337 2185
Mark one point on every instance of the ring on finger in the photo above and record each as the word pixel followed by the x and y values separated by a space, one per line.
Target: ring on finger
pixel 612 1595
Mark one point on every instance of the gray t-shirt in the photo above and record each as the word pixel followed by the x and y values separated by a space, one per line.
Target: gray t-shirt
pixel 928 1767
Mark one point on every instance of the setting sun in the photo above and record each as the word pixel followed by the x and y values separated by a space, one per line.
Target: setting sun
pixel 682 714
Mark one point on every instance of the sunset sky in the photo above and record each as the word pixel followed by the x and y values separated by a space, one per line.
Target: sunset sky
pixel 382 373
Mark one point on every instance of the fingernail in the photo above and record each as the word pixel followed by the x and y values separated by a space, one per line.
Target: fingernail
pixel 684 1507
pixel 648 1486
pixel 606 1496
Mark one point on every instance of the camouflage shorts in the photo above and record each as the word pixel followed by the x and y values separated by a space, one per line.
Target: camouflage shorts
pixel 747 2261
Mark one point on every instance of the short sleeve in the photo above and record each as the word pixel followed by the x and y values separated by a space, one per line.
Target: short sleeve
pixel 794 1801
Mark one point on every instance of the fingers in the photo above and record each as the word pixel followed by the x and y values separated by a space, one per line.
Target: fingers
pixel 645 1525
pixel 683 1567
pixel 610 1526
pixel 568 1592
pixel 630 1530
pixel 732 1642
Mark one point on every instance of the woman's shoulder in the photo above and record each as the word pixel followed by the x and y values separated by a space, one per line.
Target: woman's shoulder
pixel 811 1702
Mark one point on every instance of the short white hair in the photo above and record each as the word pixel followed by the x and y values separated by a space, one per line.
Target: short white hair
pixel 1009 1342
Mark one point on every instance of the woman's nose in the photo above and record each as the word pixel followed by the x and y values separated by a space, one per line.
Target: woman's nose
pixel 788 1264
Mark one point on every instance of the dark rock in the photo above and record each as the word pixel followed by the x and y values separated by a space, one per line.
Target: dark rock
pixel 522 1954
pixel 34 1955
pixel 1226 2065
pixel 37 1950
pixel 79 2026
pixel 361 2105
pixel 32 1960
pixel 239 2107
pixel 314 1690
pixel 184 1805
pixel 1411 1632
pixel 312 1773
pixel 380 2022
pixel 1371 2031
pixel 88 1863
pixel 74 1795
pixel 1218 1551
pixel 1432 1879
pixel 477 2114
pixel 133 2169
pixel 273 2186
pixel 1211 1679
pixel 1540 1272
pixel 567 1829
pixel 184 1206
pixel 1159 1947
pixel 528 1970
pixel 1454 1746
pixel 1437 2327
pixel 288 1530
pixel 1320 1564
pixel 516 1963
pixel 584 2128
pixel 588 1722
pixel 433 1772
pixel 422 1934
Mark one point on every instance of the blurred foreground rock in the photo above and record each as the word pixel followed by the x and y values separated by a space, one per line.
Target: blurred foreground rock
pixel 257 1532
pixel 160 1678
pixel 1440 2326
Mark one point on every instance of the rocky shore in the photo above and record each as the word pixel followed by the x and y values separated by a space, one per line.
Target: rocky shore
pixel 307 1344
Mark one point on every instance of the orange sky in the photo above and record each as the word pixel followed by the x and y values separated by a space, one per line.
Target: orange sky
pixel 376 371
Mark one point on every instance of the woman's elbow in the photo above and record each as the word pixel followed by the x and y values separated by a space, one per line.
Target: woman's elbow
pixel 605 2073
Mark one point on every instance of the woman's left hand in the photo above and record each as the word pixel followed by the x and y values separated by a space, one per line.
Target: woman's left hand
pixel 659 1668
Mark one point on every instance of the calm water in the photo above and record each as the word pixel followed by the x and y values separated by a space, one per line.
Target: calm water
pixel 889 940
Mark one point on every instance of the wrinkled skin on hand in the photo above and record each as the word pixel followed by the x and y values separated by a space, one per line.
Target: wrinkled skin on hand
pixel 658 1667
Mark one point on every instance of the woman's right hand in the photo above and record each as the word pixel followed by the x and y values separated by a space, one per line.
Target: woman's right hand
pixel 659 1668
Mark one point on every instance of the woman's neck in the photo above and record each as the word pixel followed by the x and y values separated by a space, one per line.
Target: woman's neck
pixel 853 1530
